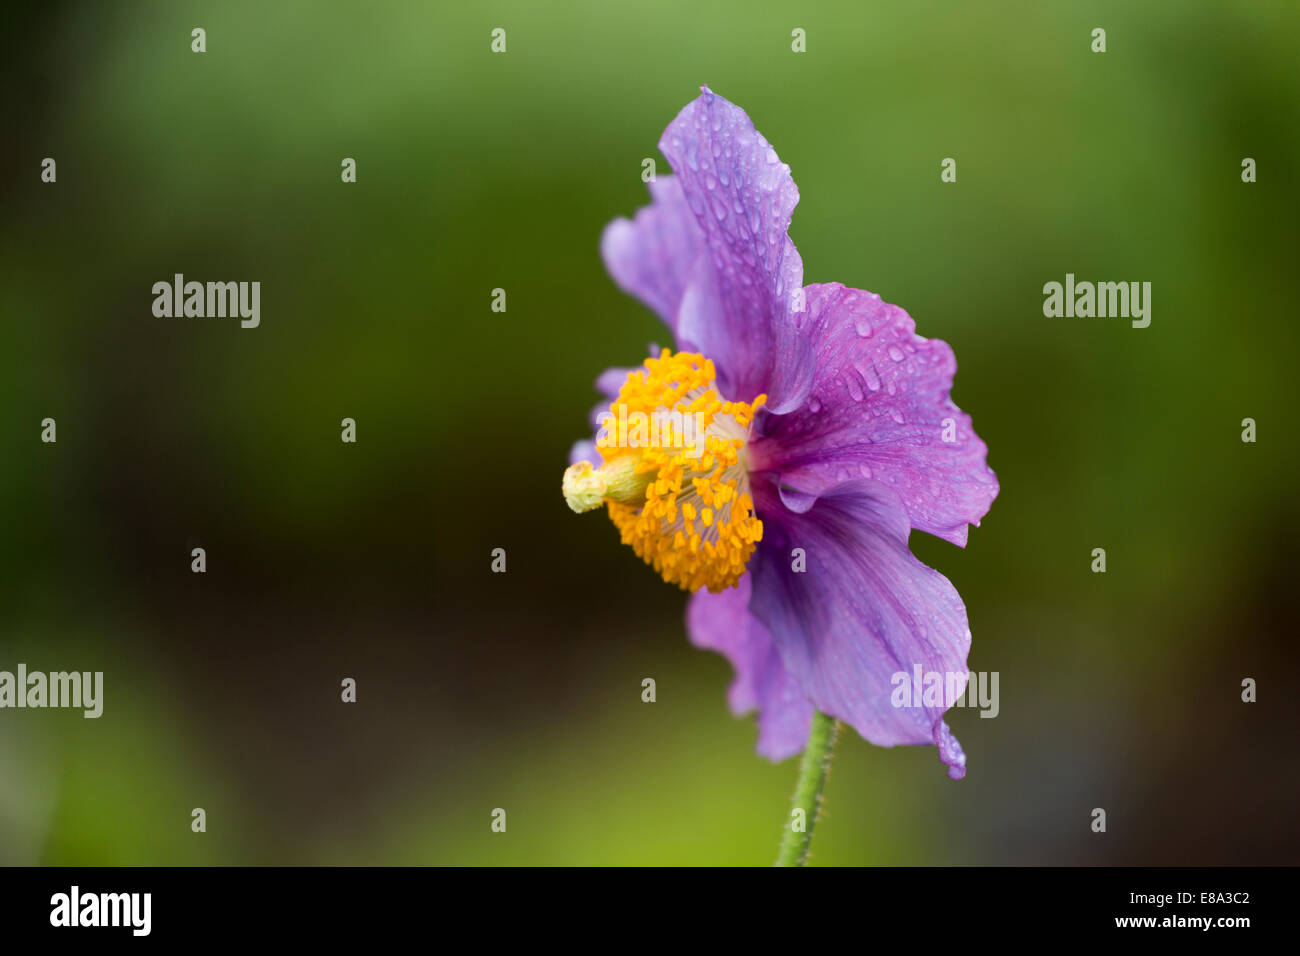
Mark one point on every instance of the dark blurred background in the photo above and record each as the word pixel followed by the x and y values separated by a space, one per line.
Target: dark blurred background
pixel 522 690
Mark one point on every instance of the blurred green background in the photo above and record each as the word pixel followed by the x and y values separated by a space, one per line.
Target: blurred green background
pixel 522 691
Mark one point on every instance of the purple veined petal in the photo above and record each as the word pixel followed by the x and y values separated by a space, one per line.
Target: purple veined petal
pixel 863 611
pixel 712 254
pixel 652 255
pixel 584 450
pixel 611 380
pixel 608 384
pixel 878 407
pixel 722 622
pixel 739 305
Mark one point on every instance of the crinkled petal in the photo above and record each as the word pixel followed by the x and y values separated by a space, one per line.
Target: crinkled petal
pixel 877 406
pixel 741 311
pixel 713 256
pixel 863 610
pixel 584 450
pixel 722 622
pixel 611 380
pixel 651 257
pixel 608 384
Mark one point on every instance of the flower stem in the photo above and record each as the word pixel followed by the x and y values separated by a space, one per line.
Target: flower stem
pixel 813 769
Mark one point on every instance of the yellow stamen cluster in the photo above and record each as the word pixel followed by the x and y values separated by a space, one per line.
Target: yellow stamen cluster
pixel 681 502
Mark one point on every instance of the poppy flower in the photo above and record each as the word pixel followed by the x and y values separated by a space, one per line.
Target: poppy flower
pixel 775 462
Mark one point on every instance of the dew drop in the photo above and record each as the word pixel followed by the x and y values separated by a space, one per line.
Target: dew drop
pixel 814 405
pixel 863 324
pixel 896 353
pixel 872 379
pixel 855 390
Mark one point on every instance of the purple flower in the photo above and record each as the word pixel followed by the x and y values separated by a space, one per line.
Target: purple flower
pixel 777 461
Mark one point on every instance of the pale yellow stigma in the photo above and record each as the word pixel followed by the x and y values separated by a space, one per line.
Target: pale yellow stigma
pixel 586 487
pixel 673 476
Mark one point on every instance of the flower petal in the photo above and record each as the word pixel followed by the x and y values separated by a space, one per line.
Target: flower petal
pixel 712 255
pixel 722 622
pixel 652 256
pixel 863 611
pixel 738 308
pixel 877 406
pixel 608 384
pixel 584 450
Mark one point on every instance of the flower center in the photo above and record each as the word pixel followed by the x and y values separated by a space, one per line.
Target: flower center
pixel 674 475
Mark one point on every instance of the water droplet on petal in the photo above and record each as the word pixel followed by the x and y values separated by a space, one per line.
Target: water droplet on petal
pixel 855 390
pixel 896 353
pixel 814 405
pixel 863 324
pixel 872 379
